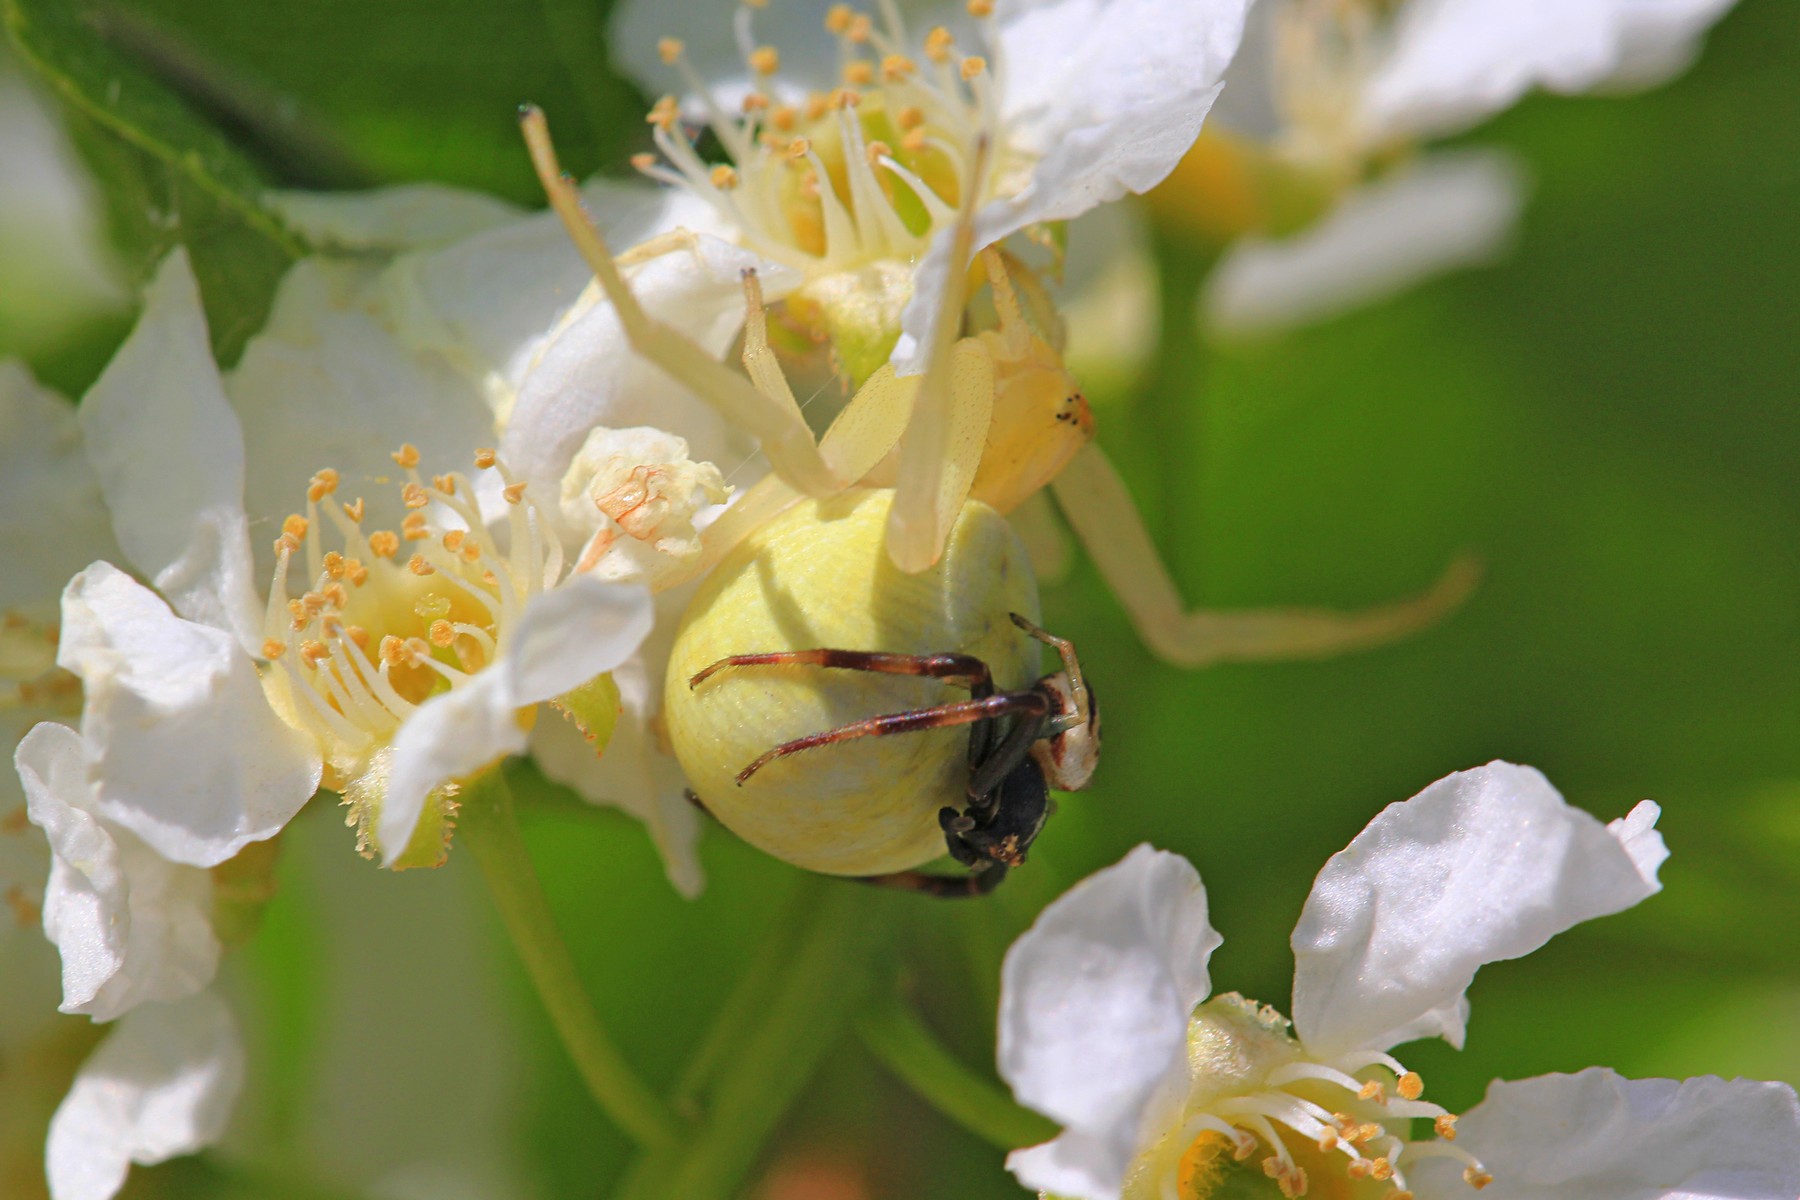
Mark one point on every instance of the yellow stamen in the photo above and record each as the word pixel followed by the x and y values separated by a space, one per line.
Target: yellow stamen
pixel 765 60
pixel 406 456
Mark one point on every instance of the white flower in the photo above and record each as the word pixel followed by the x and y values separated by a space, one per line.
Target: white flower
pixel 1077 103
pixel 1333 89
pixel 388 677
pixel 635 494
pixel 1105 1026
pixel 161 1085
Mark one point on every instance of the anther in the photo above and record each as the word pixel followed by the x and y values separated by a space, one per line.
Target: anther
pixel 406 456
pixel 723 177
pixel 334 564
pixel 913 141
pixel 393 651
pixel 877 151
pixel 754 102
pixel 413 527
pixel 384 543
pixel 937 45
pixel 322 484
pixel 442 633
pixel 1476 1178
pixel 1244 1146
pixel 1446 1127
pixel 817 105
pixel 910 117
pixel 800 148
pixel 765 60
pixel 294 525
pixel 418 566
pixel 287 543
pixel 859 74
pixel 312 653
pixel 313 603
pixel 981 8
pixel 784 117
pixel 471 552
pixel 897 68
pixel 273 649
pixel 1410 1086
pixel 1381 1168
pixel 669 49
pixel 414 496
pixel 485 458
pixel 643 161
pixel 514 492
pixel 1358 1168
pixel 973 66
pixel 1372 1090
pixel 297 613
pixel 354 510
pixel 453 540
pixel 838 17
pixel 355 572
pixel 445 484
pixel 664 113
pixel 1398 1194
pixel 336 595
pixel 860 27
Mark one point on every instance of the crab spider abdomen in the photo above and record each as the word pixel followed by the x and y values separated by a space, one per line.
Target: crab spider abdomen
pixel 817 576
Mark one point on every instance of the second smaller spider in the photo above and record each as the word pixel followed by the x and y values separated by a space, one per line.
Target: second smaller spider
pixel 1021 745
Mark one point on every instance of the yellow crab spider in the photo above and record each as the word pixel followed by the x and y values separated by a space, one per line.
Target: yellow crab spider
pixel 995 417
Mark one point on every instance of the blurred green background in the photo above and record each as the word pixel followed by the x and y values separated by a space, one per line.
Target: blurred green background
pixel 1609 418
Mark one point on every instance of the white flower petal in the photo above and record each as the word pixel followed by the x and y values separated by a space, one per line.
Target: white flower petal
pixel 572 633
pixel 1455 62
pixel 634 774
pixel 707 29
pixel 1446 211
pixel 186 751
pixel 451 735
pixel 1072 1166
pixel 1636 832
pixel 1482 866
pixel 1095 996
pixel 406 217
pixel 52 521
pixel 163 1084
pixel 1108 94
pixel 328 384
pixel 587 375
pixel 1599 1136
pixel 131 926
pixel 170 459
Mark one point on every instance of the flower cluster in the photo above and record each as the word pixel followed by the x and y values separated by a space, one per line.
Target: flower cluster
pixel 446 507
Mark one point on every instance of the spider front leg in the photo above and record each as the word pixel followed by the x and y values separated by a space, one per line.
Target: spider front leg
pixel 1100 510
pixel 775 420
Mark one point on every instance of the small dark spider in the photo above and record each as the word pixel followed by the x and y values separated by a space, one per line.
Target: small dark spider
pixel 1021 745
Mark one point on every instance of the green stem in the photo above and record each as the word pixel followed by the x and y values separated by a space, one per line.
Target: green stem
pixel 893 1033
pixel 489 827
pixel 826 980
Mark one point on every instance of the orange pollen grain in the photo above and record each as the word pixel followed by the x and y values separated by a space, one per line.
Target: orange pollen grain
pixel 973 66
pixel 878 151
pixel 354 510
pixel 445 484
pixel 322 484
pixel 859 74
pixel 272 649
pixel 418 566
pixel 384 542
pixel 406 456
pixel 485 458
pixel 784 117
pixel 723 177
pixel 414 496
pixel 294 525
pixel 860 28
pixel 514 492
pixel 938 43
pixel 765 60
pixel 453 540
pixel 334 564
pixel 838 17
pixel 897 68
pixel 981 8
pixel 442 633
pixel 1411 1086
pixel 1446 1127
pixel 355 572
pixel 312 652
pixel 910 117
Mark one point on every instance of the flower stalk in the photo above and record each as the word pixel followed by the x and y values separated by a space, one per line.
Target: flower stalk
pixel 899 1040
pixel 489 827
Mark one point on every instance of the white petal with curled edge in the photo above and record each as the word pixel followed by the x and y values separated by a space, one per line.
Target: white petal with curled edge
pixel 566 636
pixel 186 752
pixel 1072 1166
pixel 573 632
pixel 1106 96
pixel 52 521
pixel 1636 832
pixel 1599 1136
pixel 161 1085
pixel 1455 62
pixel 1446 211
pixel 586 373
pixel 633 773
pixel 130 925
pixel 169 456
pixel 1482 866
pixel 1095 999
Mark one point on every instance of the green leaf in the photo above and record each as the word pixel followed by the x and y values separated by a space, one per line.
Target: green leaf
pixel 170 178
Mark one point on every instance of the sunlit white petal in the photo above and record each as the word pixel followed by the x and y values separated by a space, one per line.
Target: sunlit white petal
pixel 186 751
pixel 1483 865
pixel 1600 1136
pixel 1095 996
pixel 166 448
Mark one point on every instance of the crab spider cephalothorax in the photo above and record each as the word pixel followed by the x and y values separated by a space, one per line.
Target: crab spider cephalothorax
pixel 995 417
